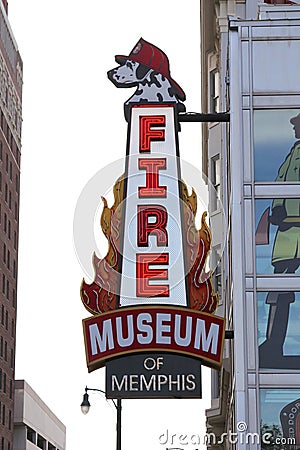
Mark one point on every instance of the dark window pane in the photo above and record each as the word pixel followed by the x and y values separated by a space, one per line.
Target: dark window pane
pixel 276 145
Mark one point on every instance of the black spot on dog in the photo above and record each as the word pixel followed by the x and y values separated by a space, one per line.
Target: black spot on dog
pixel 172 91
pixel 154 80
pixel 128 64
pixel 141 71
pixel 159 97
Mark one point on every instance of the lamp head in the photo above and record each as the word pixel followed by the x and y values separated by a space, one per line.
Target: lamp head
pixel 85 405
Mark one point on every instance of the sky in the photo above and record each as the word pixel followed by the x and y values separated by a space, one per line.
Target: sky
pixel 74 128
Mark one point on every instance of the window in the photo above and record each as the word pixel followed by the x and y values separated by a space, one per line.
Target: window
pixel 15 270
pixel 6 320
pixel 0 150
pixel 9 229
pixel 8 259
pixel 31 435
pixel 1 346
pixel 10 389
pixel 215 383
pixel 15 240
pixel 279 415
pixel 278 329
pixel 9 201
pixel 16 211
pixel 9 420
pixel 10 170
pixel 214 84
pixel 4 253
pixel 41 442
pixel 3 284
pixel 3 415
pixel 0 181
pixel 216 180
pixel 277 248
pixel 6 163
pixel 11 359
pixel 5 357
pixel 2 315
pixel 6 193
pixel 216 268
pixel 5 222
pixel 275 141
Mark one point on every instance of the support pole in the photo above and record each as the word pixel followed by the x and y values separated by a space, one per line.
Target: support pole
pixel 119 423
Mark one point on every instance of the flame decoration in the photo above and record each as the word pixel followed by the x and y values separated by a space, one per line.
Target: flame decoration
pixel 100 296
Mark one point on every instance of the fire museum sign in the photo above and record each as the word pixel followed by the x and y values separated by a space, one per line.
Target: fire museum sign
pixel 150 292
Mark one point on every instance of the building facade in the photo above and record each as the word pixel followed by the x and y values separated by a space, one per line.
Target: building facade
pixel 10 156
pixel 35 425
pixel 250 54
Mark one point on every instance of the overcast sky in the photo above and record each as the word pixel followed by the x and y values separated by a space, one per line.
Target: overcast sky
pixel 73 127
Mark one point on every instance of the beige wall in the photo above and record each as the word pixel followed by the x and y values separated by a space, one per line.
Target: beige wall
pixel 31 411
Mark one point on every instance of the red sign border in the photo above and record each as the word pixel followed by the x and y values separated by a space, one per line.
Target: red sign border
pixel 99 362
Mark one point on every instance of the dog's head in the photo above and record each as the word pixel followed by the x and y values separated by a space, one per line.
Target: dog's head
pixel 129 74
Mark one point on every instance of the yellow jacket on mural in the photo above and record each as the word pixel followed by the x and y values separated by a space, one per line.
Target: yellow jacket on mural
pixel 286 211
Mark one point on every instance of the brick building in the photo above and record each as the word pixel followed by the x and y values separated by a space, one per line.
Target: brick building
pixel 10 155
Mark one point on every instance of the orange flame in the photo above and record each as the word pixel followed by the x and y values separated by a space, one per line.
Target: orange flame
pixel 198 246
pixel 100 296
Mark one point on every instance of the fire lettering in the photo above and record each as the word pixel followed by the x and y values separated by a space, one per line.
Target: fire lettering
pixel 158 228
pixel 144 273
pixel 148 134
pixel 152 188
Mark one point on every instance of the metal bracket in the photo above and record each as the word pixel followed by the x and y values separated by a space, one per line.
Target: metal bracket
pixel 201 117
pixel 229 334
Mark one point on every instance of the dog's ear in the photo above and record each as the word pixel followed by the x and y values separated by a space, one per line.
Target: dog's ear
pixel 141 71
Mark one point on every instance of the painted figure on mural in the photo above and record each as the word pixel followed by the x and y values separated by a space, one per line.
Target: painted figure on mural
pixel 285 214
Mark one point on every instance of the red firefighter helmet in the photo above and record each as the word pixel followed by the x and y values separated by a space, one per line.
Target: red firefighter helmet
pixel 151 56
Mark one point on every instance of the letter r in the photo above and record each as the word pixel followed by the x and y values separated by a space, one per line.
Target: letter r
pixel 158 228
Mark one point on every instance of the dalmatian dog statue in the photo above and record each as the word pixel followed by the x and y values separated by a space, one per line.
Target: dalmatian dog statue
pixel 147 69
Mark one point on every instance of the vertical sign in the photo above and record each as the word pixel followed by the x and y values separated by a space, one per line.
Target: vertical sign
pixel 151 298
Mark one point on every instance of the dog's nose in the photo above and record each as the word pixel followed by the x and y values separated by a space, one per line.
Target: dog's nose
pixel 111 74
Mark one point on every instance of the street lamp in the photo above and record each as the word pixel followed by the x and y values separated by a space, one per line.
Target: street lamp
pixel 85 407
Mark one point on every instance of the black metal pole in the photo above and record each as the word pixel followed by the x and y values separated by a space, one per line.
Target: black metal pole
pixel 119 423
pixel 203 117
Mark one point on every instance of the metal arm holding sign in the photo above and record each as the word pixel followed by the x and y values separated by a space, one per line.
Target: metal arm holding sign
pixel 204 117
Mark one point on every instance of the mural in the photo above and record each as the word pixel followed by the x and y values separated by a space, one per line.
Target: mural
pixel 274 142
pixel 280 410
pixel 278 330
pixel 277 225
